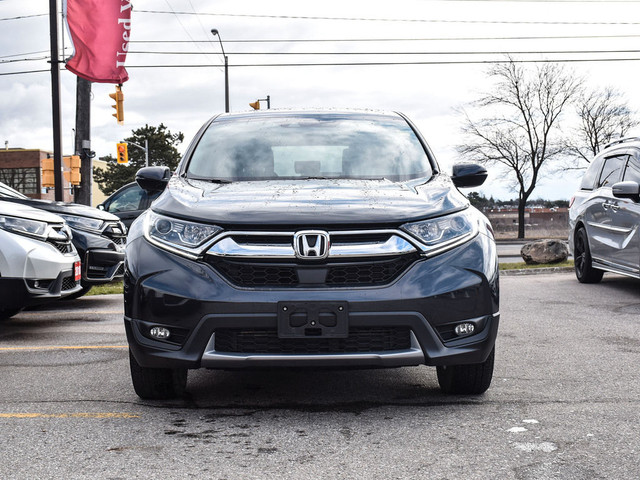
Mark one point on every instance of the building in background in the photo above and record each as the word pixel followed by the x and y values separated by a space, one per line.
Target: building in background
pixel 21 169
pixel 97 197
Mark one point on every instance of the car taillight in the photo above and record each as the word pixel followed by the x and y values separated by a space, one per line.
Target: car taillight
pixel 571 201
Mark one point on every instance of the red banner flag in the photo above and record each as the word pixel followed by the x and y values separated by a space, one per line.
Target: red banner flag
pixel 100 32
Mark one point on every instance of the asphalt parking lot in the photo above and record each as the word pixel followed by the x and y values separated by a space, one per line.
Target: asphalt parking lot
pixel 563 404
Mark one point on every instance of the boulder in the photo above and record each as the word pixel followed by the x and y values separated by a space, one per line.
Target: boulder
pixel 545 251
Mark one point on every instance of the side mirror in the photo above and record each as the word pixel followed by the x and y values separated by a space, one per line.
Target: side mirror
pixel 628 189
pixel 100 207
pixel 153 179
pixel 468 175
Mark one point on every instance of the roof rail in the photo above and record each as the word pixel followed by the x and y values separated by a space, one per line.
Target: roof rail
pixel 621 140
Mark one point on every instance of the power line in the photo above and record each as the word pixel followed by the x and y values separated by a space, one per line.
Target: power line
pixel 24 16
pixel 16 60
pixel 369 64
pixel 389 20
pixel 26 53
pixel 356 64
pixel 476 52
pixel 22 73
pixel 426 39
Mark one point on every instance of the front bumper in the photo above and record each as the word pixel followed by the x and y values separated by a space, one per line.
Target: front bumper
pixel 420 307
pixel 102 266
pixel 34 272
pixel 102 258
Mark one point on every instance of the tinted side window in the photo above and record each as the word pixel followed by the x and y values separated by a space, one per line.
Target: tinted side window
pixel 127 200
pixel 611 171
pixel 589 178
pixel 633 170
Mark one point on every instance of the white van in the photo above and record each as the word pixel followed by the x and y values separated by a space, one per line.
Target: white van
pixel 38 262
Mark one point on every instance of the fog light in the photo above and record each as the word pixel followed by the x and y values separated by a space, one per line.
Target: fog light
pixel 465 329
pixel 36 284
pixel 160 333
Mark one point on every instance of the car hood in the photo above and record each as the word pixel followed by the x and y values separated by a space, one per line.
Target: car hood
pixel 63 208
pixel 23 211
pixel 310 202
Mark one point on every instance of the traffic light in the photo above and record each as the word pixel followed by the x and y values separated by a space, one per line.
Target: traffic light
pixel 48 179
pixel 119 106
pixel 255 105
pixel 123 153
pixel 73 163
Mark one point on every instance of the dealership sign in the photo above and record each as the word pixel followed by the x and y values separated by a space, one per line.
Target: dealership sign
pixel 100 31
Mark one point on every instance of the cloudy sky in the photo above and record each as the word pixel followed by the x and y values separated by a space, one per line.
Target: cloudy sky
pixel 449 41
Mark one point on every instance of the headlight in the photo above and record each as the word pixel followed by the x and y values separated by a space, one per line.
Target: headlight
pixel 23 226
pixel 180 236
pixel 442 233
pixel 83 223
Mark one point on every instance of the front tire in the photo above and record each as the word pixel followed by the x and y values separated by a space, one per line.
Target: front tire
pixel 583 264
pixel 157 383
pixel 472 379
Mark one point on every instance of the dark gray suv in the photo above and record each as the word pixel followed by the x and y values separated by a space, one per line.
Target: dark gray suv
pixel 605 214
pixel 310 239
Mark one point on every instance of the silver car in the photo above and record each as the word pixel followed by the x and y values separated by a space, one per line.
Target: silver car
pixel 604 215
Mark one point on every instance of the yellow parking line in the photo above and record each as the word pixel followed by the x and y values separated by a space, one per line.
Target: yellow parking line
pixel 69 415
pixel 63 347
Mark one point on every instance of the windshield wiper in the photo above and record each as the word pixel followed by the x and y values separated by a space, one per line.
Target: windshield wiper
pixel 210 180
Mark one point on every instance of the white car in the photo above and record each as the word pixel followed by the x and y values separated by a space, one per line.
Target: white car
pixel 38 262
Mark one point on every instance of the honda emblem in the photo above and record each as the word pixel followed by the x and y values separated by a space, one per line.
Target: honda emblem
pixel 311 244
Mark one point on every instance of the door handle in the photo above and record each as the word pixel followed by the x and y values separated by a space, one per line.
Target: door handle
pixel 612 206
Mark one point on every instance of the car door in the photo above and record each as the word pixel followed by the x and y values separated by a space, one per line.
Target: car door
pixel 127 203
pixel 605 236
pixel 626 217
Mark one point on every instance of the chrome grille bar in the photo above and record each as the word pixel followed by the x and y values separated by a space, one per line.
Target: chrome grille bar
pixel 341 247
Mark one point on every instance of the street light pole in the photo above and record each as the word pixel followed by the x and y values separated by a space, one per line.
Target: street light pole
pixel 226 71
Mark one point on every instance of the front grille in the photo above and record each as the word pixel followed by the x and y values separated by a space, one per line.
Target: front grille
pixel 374 273
pixel 63 247
pixel 254 275
pixel 68 283
pixel 266 341
pixel 119 240
pixel 353 273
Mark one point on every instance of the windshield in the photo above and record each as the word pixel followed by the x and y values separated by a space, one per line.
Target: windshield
pixel 309 146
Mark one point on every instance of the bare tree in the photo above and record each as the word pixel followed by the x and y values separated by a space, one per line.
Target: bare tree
pixel 604 116
pixel 521 133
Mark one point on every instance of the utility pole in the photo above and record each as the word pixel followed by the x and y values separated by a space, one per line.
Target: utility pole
pixel 145 148
pixel 55 100
pixel 83 140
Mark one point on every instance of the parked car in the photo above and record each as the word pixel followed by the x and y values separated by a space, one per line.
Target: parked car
pixel 38 262
pixel 99 237
pixel 128 202
pixel 311 239
pixel 604 215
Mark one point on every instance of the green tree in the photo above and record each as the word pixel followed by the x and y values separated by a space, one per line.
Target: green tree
pixel 162 151
pixel 478 200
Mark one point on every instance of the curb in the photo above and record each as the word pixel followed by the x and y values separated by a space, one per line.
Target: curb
pixel 536 271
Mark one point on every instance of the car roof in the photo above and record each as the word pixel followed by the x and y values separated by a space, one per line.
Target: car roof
pixel 311 112
pixel 623 143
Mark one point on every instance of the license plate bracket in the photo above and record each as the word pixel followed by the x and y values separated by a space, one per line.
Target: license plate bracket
pixel 313 320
